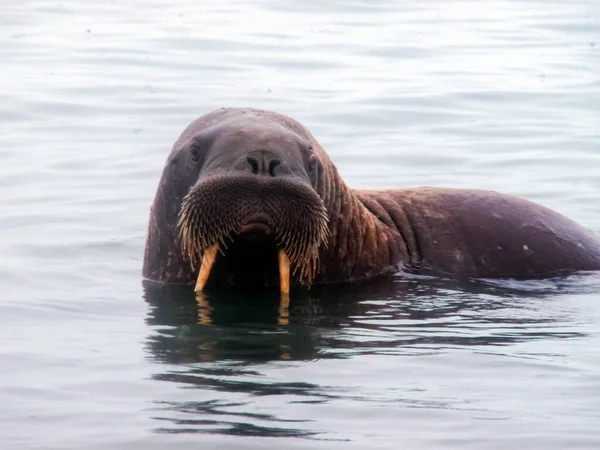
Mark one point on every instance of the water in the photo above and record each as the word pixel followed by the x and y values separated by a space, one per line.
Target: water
pixel 498 94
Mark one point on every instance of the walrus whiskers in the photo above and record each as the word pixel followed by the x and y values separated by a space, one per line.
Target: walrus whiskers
pixel 300 226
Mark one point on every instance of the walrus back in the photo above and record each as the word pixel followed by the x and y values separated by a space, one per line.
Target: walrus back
pixel 478 233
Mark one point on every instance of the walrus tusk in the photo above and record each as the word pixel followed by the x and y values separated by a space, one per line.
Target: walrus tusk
pixel 284 272
pixel 207 262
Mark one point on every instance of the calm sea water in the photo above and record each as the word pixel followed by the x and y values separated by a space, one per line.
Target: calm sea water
pixel 501 95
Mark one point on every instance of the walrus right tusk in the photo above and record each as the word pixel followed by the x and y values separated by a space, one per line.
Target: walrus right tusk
pixel 207 262
pixel 284 272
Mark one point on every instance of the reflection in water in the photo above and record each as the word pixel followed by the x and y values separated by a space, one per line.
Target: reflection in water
pixel 220 342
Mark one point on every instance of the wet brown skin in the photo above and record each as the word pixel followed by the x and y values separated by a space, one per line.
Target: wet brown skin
pixel 457 232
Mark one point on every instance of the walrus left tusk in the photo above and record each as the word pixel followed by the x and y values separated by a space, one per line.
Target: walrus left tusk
pixel 284 272
pixel 207 262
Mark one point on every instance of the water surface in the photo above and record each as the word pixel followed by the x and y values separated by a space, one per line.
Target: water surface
pixel 497 95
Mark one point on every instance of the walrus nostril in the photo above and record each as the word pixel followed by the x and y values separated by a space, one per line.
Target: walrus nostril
pixel 261 164
pixel 254 164
pixel 273 164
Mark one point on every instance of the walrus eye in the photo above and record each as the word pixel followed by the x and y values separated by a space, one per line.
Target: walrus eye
pixel 312 163
pixel 195 151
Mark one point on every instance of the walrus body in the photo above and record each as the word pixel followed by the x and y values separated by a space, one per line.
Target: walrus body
pixel 248 185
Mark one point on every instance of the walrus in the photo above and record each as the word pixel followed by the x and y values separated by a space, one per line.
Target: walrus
pixel 249 198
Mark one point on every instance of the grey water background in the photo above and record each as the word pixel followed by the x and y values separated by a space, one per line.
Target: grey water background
pixel 500 95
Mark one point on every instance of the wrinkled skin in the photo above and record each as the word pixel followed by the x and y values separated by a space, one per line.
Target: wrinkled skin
pixel 264 158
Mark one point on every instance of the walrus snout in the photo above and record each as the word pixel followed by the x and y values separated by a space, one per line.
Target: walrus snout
pixel 249 218
pixel 264 163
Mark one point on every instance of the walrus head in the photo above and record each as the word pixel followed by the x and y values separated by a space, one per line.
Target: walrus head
pixel 252 214
pixel 250 198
